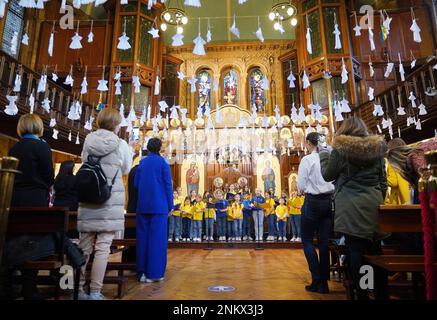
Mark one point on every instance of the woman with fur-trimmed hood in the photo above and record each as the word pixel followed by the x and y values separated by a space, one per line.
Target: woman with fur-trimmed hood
pixel 356 164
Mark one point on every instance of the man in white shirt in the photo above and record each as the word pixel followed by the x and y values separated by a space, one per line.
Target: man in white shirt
pixel 316 215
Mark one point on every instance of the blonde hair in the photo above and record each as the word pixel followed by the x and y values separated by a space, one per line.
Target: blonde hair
pixel 399 158
pixel 30 123
pixel 109 119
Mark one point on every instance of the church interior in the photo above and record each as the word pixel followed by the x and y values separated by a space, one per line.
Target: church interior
pixel 232 88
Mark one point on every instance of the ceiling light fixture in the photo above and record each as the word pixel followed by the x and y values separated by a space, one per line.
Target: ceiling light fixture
pixel 283 11
pixel 173 16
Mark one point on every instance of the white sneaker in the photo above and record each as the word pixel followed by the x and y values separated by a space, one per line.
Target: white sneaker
pixel 170 240
pixel 97 296
pixel 298 240
pixel 250 238
pixel 82 295
pixel 244 238
pixel 177 240
pixel 199 240
pixel 154 280
pixel 211 238
pixel 143 278
pixel 279 238
pixel 293 239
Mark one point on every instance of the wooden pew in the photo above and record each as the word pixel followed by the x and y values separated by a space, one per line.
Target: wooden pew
pixel 399 219
pixel 42 221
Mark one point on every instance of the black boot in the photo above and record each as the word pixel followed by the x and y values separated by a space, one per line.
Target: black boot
pixel 322 287
pixel 312 287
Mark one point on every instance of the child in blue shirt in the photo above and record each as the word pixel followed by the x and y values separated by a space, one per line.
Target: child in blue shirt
pixel 221 209
pixel 258 214
pixel 247 211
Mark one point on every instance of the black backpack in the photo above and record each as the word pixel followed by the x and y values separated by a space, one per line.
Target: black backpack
pixel 91 182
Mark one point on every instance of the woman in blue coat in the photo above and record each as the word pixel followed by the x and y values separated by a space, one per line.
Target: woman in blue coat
pixel 155 201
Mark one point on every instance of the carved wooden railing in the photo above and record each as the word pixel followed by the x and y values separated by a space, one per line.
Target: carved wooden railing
pixel 60 98
pixel 423 78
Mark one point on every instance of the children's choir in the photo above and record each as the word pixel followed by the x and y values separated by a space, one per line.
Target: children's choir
pixel 235 216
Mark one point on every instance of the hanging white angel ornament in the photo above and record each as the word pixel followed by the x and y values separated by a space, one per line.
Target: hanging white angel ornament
pixel 154 32
pixel 344 72
pixel 46 105
pixel 11 109
pixel 301 116
pixel 136 83
pixel 199 45
pixel 90 37
pixel 149 112
pixel 192 83
pixel 55 134
pixel 308 40
pixel 174 112
pixel 389 69
pixel 69 79
pixel 371 69
pixel 183 115
pixel 75 40
pixel 192 3
pixel 422 110
pixel 17 83
pixel 52 122
pixel 14 42
pixel 181 75
pixel 305 80
pixel 415 29
pixel 123 119
pixel 123 40
pixel 51 42
pixel 25 39
pixel 151 3
pixel 132 117
pixel 337 35
pixel 177 40
pixel 378 111
pixel 31 102
pixel 69 136
pixel 337 112
pixel 77 138
pixel 103 85
pixel 84 86
pixel 418 125
pixel 344 106
pixel 370 94
pixel 163 106
pixel 401 69
pixel 357 27
pixel 118 88
pixel 209 33
pixel 157 88
pixel 42 84
pixel 401 111
pixel 234 29
pixel 54 76
pixel 412 98
pixel 291 78
pixel 371 40
pixel 259 33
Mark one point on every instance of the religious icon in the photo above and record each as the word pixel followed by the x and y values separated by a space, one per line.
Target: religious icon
pixel 204 87
pixel 230 88
pixel 193 178
pixel 242 182
pixel 218 182
pixel 257 94
pixel 268 177
pixel 292 182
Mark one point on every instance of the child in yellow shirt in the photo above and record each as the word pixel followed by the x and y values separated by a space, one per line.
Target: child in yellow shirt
pixel 282 215
pixel 174 226
pixel 271 217
pixel 209 218
pixel 296 205
pixel 198 210
pixel 237 216
pixel 187 215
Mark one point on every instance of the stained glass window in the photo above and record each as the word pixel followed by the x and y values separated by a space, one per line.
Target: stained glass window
pixel 145 42
pixel 316 39
pixel 14 22
pixel 204 89
pixel 257 92
pixel 230 87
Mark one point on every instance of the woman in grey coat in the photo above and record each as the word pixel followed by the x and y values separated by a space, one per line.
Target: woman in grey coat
pixel 98 223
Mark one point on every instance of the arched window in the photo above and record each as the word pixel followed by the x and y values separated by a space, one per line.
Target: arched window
pixel 204 89
pixel 230 87
pixel 256 89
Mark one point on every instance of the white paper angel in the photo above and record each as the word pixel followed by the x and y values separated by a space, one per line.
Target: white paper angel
pixel 177 40
pixel 371 40
pixel 370 94
pixel 17 83
pixel 136 83
pixel 42 84
pixel 259 34
pixel 132 117
pixel 51 41
pixel 410 121
pixel 192 83
pixel 149 112
pixel 416 31
pixel 371 70
pixel 157 88
pixel 308 40
pixel 305 80
pixel 154 32
pixel 77 138
pixel 234 29
pixel 209 33
pixel 413 63
pixel 344 72
pixel 25 39
pixel 389 69
pixel 344 106
pixel 103 85
pixel 291 78
pixel 52 122
pixel 386 23
pixel 401 69
pixel 90 37
pixel 183 115
pixel 422 110
pixel 174 112
pixel 55 134
pixel 84 86
pixel 377 110
pixel 118 88
pixel 412 98
pixel 163 106
pixel 357 30
pixel 73 113
pixel 14 42
pixel 181 75
pixel 337 112
pixel 75 41
pixel 11 109
pixel 123 119
pixel 199 45
pixel 69 136
pixel 123 42
pixel 31 102
pixel 192 3
pixel 69 80
pixel 401 111
pixel 337 34
pixel 418 125
pixel 46 105
pixel 54 77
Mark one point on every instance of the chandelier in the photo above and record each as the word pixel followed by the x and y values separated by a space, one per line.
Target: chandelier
pixel 283 11
pixel 175 16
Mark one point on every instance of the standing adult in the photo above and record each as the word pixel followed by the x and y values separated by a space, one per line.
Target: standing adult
pixel 31 185
pixel 65 187
pixel 316 215
pixel 155 201
pixel 98 223
pixel 258 214
pixel 357 165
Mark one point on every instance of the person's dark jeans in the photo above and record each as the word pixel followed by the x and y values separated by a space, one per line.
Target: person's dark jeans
pixel 359 247
pixel 221 226
pixel 186 227
pixel 317 219
pixel 271 223
pixel 246 223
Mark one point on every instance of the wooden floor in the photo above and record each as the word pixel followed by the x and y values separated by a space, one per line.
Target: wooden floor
pixel 277 274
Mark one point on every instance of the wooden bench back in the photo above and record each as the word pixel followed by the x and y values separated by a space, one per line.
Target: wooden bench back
pixel 400 219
